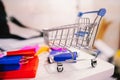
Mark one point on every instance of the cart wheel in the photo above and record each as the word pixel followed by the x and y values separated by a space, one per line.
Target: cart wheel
pixel 93 62
pixel 49 61
pixel 60 67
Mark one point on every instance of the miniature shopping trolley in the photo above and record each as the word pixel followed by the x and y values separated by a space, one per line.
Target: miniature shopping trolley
pixel 79 35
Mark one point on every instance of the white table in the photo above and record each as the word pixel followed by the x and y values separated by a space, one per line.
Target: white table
pixel 81 70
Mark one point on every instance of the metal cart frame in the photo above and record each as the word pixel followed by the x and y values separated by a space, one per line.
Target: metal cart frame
pixel 82 34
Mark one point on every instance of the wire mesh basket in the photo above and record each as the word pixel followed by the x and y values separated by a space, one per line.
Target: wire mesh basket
pixel 79 35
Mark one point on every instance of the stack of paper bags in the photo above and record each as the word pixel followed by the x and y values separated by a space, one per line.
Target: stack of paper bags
pixel 19 64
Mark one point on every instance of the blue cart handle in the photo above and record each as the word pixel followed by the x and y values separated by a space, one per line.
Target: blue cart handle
pixel 100 12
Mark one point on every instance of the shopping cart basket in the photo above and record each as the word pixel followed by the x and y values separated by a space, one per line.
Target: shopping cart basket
pixel 79 35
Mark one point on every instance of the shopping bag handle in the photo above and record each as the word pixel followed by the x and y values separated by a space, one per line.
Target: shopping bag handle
pixel 100 12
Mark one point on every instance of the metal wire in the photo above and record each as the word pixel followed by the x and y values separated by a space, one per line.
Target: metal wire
pixel 80 34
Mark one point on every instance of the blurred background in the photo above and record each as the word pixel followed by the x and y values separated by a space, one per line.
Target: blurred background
pixel 40 14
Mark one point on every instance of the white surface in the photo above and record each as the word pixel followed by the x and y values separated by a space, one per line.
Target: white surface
pixel 9 44
pixel 81 70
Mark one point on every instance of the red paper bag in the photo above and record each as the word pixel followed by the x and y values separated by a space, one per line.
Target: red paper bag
pixel 27 70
